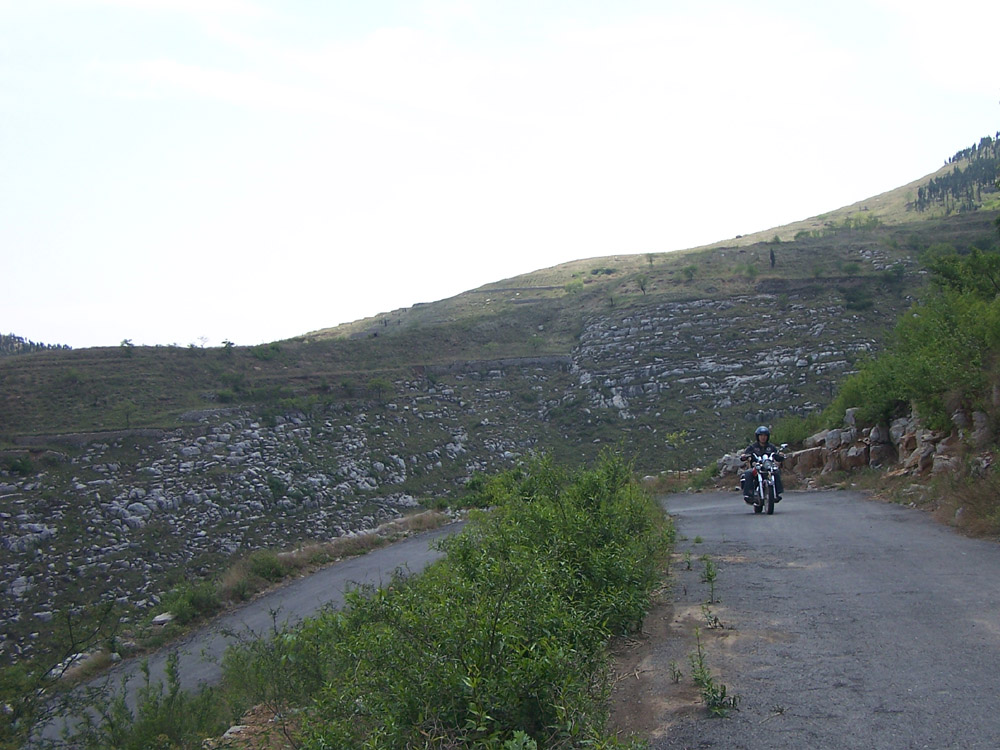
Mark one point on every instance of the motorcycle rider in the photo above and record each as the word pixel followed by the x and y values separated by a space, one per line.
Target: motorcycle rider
pixel 760 447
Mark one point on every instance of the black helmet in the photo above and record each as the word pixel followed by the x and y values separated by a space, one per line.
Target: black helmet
pixel 762 430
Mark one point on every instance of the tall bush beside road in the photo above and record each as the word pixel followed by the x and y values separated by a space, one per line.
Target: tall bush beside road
pixel 942 355
pixel 507 634
pixel 501 644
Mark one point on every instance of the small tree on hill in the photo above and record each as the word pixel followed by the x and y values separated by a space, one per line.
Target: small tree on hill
pixel 380 387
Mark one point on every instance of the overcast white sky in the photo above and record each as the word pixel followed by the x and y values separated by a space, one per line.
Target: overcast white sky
pixel 173 171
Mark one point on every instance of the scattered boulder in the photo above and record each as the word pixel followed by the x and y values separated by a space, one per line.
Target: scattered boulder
pixel 982 434
pixel 881 455
pixel 856 456
pixel 729 464
pixel 806 461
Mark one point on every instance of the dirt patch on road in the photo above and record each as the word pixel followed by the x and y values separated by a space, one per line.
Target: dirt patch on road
pixel 648 693
pixel 653 688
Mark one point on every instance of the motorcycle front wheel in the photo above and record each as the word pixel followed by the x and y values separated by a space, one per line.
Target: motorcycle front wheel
pixel 770 499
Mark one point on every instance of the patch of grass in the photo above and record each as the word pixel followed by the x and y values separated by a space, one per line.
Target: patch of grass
pixel 794 430
pixel 266 565
pixel 191 602
pixel 971 501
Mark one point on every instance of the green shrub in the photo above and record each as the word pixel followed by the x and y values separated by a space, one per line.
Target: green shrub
pixel 266 352
pixel 857 298
pixel 191 602
pixel 850 268
pixel 705 477
pixel 893 276
pixel 794 430
pixel 500 644
pixel 22 465
pixel 277 486
pixel 939 357
pixel 265 564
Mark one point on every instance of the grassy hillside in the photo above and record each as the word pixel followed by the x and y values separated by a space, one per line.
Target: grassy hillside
pixel 538 314
pixel 855 253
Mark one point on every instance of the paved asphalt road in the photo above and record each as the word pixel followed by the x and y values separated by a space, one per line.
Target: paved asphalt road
pixel 200 654
pixel 853 624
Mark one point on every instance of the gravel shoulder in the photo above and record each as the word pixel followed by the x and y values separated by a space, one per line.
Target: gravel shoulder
pixel 839 622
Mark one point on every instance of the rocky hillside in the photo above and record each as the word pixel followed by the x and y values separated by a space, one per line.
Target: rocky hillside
pixel 127 471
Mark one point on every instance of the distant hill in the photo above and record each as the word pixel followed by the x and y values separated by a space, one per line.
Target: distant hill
pixel 849 270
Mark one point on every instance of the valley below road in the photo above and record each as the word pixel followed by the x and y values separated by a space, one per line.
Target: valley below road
pixel 840 622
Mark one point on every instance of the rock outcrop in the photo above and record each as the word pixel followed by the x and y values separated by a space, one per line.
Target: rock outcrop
pixel 904 445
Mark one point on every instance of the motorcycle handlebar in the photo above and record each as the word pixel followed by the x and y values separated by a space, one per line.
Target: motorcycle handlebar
pixel 754 458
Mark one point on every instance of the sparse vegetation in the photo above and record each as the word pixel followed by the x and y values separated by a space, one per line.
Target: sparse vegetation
pixel 675 672
pixel 709 575
pixel 714 694
pixel 503 641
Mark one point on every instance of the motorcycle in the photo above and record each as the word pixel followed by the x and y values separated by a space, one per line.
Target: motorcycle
pixel 763 471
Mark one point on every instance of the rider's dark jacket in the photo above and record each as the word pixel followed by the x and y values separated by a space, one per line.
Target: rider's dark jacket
pixel 761 450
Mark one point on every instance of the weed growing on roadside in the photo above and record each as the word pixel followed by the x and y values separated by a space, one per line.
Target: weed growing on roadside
pixel 190 602
pixel 714 694
pixel 709 575
pixel 165 716
pixel 712 620
pixel 675 672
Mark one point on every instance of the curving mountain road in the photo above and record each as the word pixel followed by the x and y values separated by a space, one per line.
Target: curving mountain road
pixel 200 654
pixel 847 623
